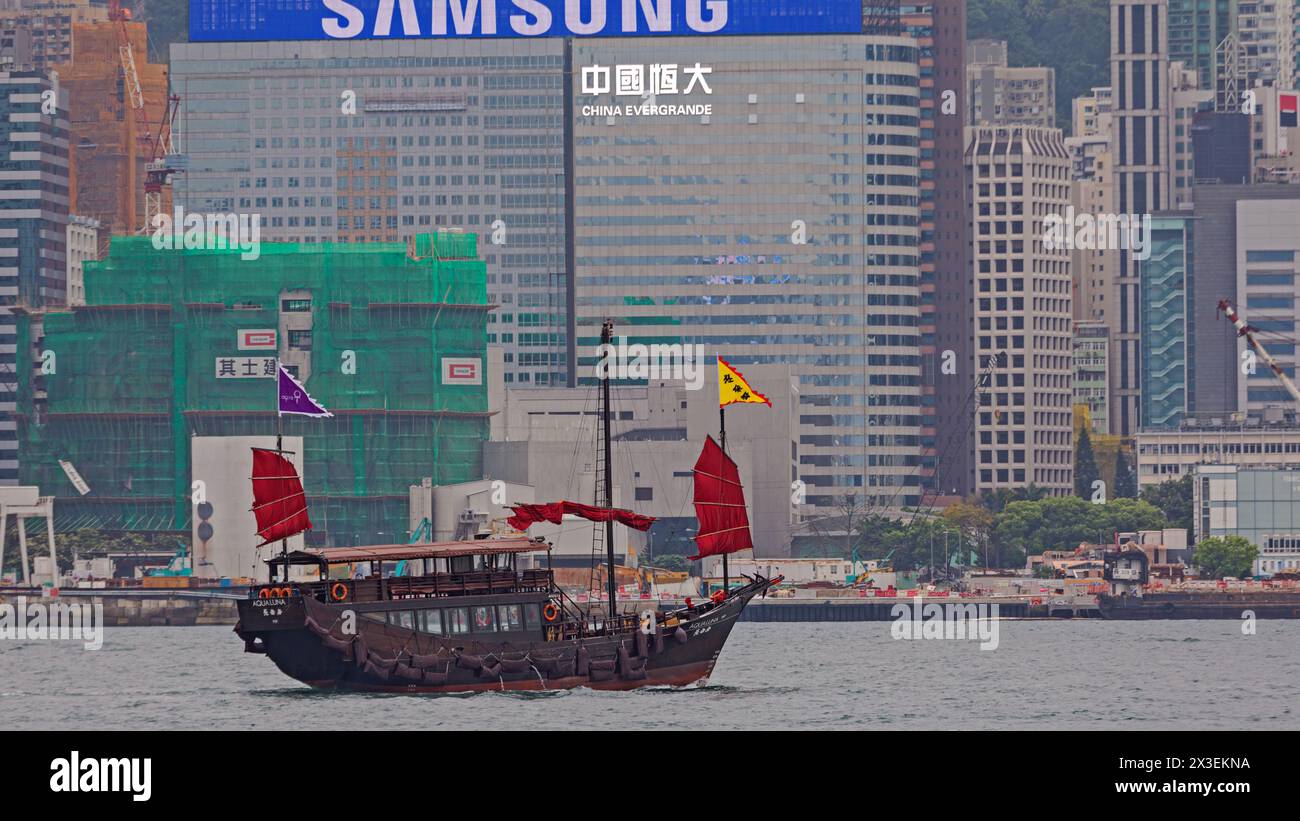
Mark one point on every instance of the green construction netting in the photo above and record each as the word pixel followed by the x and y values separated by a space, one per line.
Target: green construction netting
pixel 135 374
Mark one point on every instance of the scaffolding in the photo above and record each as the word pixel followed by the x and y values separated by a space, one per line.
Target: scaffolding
pixel 136 377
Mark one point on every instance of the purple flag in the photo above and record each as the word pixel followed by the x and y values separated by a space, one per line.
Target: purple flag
pixel 295 399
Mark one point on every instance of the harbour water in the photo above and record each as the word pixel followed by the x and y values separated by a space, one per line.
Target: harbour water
pixel 1083 674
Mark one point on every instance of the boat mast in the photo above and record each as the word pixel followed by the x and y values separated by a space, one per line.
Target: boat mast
pixel 607 341
pixel 279 450
pixel 722 436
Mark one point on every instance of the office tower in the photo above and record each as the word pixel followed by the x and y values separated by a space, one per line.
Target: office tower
pixel 778 226
pixel 1001 95
pixel 1019 176
pixel 1186 102
pixel 946 419
pixel 1140 84
pixel 380 140
pixel 1091 373
pixel 33 225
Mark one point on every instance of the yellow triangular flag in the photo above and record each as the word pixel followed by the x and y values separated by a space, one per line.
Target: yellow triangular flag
pixel 733 388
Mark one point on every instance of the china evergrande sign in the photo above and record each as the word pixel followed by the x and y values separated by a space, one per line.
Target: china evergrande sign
pixel 221 20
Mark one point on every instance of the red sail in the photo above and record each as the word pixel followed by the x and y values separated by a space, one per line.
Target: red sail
pixel 278 499
pixel 527 515
pixel 719 504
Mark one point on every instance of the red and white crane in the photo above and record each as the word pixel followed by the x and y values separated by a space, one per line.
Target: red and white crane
pixel 1249 331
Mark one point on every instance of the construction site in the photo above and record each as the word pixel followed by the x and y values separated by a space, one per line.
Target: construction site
pixel 120 122
pixel 175 344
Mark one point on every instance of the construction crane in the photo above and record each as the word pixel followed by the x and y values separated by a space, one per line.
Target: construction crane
pixel 161 161
pixel 1249 331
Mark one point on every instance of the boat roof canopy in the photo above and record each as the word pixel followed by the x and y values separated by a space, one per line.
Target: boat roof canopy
pixel 408 552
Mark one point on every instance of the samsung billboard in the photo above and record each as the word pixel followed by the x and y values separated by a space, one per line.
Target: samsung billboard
pixel 234 20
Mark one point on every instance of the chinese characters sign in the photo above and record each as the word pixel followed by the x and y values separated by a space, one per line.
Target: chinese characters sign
pixel 246 367
pixel 648 84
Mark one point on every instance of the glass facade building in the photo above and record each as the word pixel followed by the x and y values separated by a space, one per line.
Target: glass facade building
pixel 1260 504
pixel 376 141
pixel 777 225
pixel 1167 347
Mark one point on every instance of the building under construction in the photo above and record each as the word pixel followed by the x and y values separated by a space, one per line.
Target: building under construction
pixel 174 344
pixel 108 149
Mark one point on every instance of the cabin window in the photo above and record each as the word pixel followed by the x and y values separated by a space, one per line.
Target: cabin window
pixel 532 616
pixel 431 621
pixel 402 618
pixel 458 620
pixel 462 564
pixel 484 619
pixel 510 617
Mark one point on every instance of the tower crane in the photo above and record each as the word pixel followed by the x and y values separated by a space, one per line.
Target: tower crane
pixel 161 161
pixel 1249 331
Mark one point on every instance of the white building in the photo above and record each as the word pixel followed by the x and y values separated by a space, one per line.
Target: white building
pixel 1260 504
pixel 1164 455
pixel 83 244
pixel 1020 175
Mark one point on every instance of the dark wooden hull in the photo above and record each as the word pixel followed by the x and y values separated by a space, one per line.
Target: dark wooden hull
pixel 306 643
pixel 1205 605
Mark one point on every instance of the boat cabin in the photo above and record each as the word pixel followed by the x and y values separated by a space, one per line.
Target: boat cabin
pixel 388 572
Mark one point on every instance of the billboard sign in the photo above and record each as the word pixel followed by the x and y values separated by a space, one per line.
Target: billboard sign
pixel 235 20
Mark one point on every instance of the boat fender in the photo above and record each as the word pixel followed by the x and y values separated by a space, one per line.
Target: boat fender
pixel 469 662
pixel 379 661
pixel 337 645
pixel 657 642
pixel 359 651
pixel 636 665
pixel 642 643
pixel 680 635
pixel 424 662
pixel 634 670
pixel 437 676
pixel 407 672
pixel 516 665
pixel 602 670
pixel 583 659
pixel 490 670
pixel 377 672
pixel 623 656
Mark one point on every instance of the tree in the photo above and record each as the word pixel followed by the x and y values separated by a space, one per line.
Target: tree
pixel 1174 498
pixel 1225 556
pixel 1125 480
pixel 1063 522
pixel 1085 466
pixel 975 523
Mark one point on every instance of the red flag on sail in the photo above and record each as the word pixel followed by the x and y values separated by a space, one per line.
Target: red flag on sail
pixel 719 504
pixel 278 499
pixel 526 515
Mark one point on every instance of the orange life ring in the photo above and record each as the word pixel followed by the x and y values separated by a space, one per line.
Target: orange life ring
pixel 339 591
pixel 264 593
pixel 550 612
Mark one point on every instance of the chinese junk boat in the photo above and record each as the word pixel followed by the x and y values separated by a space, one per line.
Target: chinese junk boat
pixel 469 615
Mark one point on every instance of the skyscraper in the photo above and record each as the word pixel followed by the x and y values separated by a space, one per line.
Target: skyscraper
pixel 33 224
pixel 1020 175
pixel 779 226
pixel 1140 83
